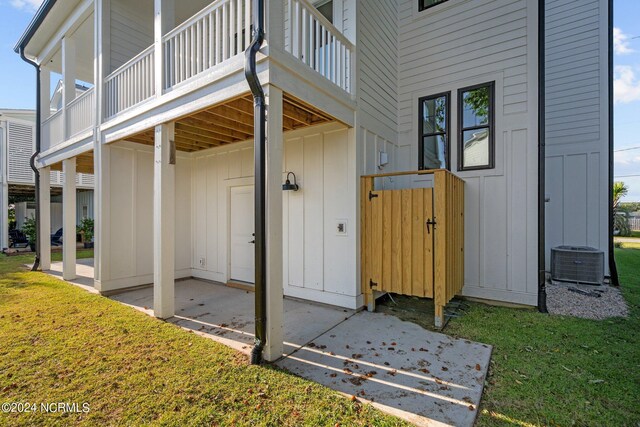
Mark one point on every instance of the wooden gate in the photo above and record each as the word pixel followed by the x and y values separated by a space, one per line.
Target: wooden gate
pixel 413 239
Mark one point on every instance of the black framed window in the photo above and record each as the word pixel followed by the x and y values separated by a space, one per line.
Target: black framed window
pixel 476 133
pixel 426 4
pixel 433 146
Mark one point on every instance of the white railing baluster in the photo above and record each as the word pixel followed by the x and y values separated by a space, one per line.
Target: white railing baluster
pixel 318 44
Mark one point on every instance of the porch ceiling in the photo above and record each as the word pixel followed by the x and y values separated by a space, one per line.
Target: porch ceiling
pixel 232 121
pixel 84 163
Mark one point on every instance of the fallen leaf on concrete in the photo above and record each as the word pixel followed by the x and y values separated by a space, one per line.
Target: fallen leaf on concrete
pixel 478 367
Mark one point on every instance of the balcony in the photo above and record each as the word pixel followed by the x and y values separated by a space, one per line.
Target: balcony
pixel 75 119
pixel 218 34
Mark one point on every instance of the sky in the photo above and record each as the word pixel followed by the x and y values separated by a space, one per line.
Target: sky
pixel 17 87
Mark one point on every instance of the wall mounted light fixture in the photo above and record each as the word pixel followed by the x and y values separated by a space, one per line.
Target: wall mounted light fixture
pixel 287 186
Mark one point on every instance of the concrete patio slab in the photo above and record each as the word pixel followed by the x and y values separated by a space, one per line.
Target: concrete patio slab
pixel 227 314
pixel 426 378
pixel 421 376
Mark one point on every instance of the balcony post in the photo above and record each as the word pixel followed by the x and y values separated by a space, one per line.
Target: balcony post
pixel 45 218
pixel 102 54
pixel 274 25
pixel 164 170
pixel 69 219
pixel 45 94
pixel 164 21
pixel 68 78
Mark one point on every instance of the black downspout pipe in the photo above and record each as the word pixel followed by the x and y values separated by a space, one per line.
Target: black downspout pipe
pixel 613 269
pixel 32 161
pixel 542 276
pixel 259 142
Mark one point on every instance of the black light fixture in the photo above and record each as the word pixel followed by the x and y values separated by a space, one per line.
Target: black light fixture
pixel 287 186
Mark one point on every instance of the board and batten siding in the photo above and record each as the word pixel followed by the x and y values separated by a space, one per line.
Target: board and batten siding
pixel 131 30
pixel 576 114
pixel 461 43
pixel 131 216
pixel 318 262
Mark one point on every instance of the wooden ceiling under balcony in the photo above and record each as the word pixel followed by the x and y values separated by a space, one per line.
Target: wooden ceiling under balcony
pixel 232 122
pixel 225 123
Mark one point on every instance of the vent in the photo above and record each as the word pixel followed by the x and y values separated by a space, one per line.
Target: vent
pixel 21 147
pixel 577 264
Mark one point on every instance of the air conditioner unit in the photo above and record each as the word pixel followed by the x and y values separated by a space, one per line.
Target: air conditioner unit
pixel 577 264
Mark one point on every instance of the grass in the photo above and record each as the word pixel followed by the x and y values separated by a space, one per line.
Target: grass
pixel 60 343
pixel 63 344
pixel 556 370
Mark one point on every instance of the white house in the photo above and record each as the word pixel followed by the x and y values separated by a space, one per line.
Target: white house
pixel 17 181
pixel 352 88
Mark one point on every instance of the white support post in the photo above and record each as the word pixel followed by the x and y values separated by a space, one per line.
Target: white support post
pixel 68 77
pixel 45 218
pixel 4 188
pixel 164 21
pixel 69 219
pixel 102 217
pixel 164 222
pixel 275 305
pixel 45 94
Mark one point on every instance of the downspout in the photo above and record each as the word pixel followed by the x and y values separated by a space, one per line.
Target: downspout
pixel 613 269
pixel 542 276
pixel 32 161
pixel 259 142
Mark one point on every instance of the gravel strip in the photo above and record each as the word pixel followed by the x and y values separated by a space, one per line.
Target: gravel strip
pixel 560 300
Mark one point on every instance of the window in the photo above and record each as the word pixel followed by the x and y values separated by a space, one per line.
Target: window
pixel 426 4
pixel 475 127
pixel 326 9
pixel 433 147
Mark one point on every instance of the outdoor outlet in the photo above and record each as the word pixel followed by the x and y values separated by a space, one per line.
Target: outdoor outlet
pixel 383 159
pixel 341 227
pixel 203 262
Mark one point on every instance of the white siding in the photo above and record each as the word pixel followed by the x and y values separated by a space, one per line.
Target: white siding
pixel 131 214
pixel 131 29
pixel 457 44
pixel 576 124
pixel 318 263
pixel 378 66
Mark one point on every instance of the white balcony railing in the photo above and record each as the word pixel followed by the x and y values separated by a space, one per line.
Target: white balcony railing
pixel 317 43
pixel 212 36
pixel 52 131
pixel 130 84
pixel 80 113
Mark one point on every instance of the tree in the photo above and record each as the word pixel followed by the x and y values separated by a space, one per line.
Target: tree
pixel 620 220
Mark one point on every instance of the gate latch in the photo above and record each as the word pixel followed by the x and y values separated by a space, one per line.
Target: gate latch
pixel 430 222
pixel 372 284
pixel 372 195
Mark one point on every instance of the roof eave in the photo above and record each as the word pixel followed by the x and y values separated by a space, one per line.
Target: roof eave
pixel 33 26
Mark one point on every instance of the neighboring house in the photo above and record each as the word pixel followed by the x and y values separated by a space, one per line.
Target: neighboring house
pixel 17 144
pixel 352 88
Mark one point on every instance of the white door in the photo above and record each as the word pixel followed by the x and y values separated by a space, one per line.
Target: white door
pixel 242 237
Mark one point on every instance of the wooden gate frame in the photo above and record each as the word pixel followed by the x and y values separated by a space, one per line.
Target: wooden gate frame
pixel 448 246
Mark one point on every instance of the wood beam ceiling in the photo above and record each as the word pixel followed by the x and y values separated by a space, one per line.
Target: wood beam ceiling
pixel 232 122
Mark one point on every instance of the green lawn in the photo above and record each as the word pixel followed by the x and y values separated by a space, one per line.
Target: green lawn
pixel 554 370
pixel 59 343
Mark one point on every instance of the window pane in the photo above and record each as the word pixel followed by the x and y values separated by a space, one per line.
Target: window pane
pixel 428 3
pixel 434 115
pixel 475 110
pixel 475 148
pixel 326 9
pixel 434 152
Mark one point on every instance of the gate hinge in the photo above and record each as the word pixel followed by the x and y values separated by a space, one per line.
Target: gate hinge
pixel 372 195
pixel 372 284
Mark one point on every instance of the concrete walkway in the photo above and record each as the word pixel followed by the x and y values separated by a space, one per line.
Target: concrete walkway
pixel 423 377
